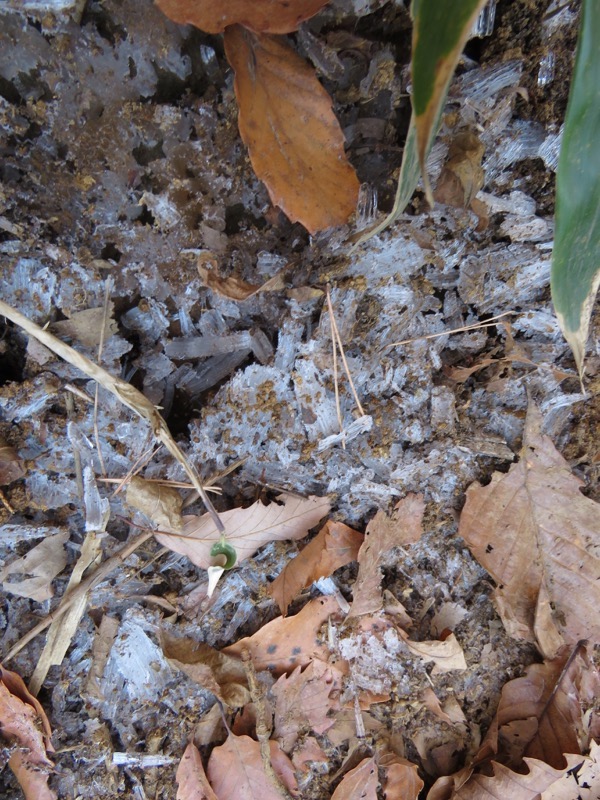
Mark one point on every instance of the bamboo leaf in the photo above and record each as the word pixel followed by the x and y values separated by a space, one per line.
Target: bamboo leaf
pixel 576 260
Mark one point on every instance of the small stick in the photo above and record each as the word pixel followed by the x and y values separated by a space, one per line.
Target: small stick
pixel 76 454
pixel 146 456
pixel 123 391
pixel 5 503
pixel 475 326
pixel 93 579
pixel 338 407
pixel 263 729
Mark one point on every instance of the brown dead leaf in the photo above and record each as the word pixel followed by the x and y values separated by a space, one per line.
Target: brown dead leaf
pixel 309 751
pixel 85 327
pixel 288 642
pixel 462 176
pixel 32 575
pixel 537 536
pixel 23 721
pixel 402 780
pixel 540 719
pixel 191 779
pixel 263 16
pixel 579 779
pixel 247 529
pixel 294 140
pixel 220 674
pixel 11 466
pixel 236 288
pixel 360 783
pixel 382 535
pixel 236 772
pixel 333 547
pixel 161 504
pixel 446 655
pixel 303 701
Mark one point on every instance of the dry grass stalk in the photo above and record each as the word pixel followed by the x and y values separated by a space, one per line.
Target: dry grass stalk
pixel 125 392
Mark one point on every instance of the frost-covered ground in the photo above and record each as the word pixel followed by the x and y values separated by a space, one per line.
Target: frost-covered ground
pixel 122 167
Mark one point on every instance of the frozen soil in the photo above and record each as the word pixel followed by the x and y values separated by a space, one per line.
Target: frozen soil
pixel 121 165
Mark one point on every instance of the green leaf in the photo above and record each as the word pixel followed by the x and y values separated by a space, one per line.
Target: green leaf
pixel 576 258
pixel 441 29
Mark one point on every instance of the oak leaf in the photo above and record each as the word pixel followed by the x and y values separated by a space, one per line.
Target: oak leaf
pixel 288 642
pixel 537 536
pixel 24 723
pixel 382 536
pixel 294 140
pixel 360 783
pixel 333 547
pixel 191 779
pixel 579 779
pixel 236 772
pixel 303 701
pixel 247 529
pixel 263 16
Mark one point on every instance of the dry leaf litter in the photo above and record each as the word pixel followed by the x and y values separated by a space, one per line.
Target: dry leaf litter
pixel 122 165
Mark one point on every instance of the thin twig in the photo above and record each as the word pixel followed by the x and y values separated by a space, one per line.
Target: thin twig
pixel 107 291
pixel 338 407
pixel 76 454
pixel 476 325
pixel 5 503
pixel 263 729
pixel 160 482
pixel 125 392
pixel 146 456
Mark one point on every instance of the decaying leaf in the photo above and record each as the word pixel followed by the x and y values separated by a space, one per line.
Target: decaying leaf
pixel 288 642
pixel 236 288
pixel 462 175
pixel 360 783
pixel 264 16
pixel 32 575
pixel 236 771
pixel 161 504
pixel 23 721
pixel 446 655
pixel 537 535
pixel 402 780
pixel 382 535
pixel 247 529
pixel 540 718
pixel 220 674
pixel 304 700
pixel 85 327
pixel 11 466
pixel 309 751
pixel 191 779
pixel 294 140
pixel 333 547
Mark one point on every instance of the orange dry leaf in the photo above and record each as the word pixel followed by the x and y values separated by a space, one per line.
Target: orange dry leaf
pixel 333 547
pixel 236 772
pixel 382 535
pixel 263 16
pixel 360 783
pixel 247 529
pixel 536 534
pixel 191 779
pixel 236 288
pixel 288 642
pixel 303 700
pixel 24 723
pixel 294 140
